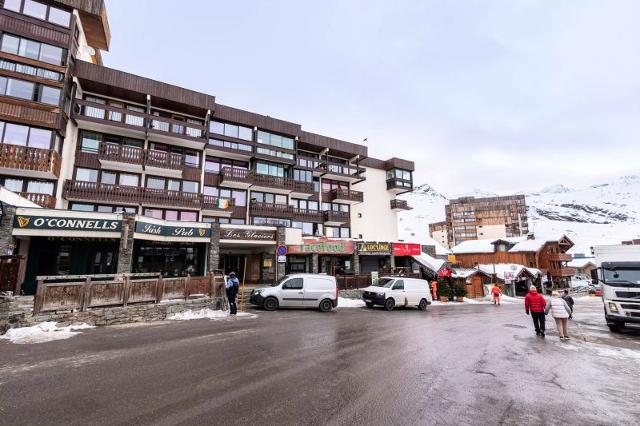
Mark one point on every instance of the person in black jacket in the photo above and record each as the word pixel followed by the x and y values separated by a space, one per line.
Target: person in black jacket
pixel 567 298
pixel 233 287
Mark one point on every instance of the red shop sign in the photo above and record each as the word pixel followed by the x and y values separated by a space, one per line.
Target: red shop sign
pixel 444 273
pixel 402 249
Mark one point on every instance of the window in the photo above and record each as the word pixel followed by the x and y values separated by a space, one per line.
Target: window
pixel 10 44
pixel 40 138
pixel 398 285
pixel 171 215
pixel 307 227
pixel 51 54
pixel 191 158
pixel 303 175
pixel 14 185
pixel 35 9
pixel 129 179
pixel 20 89
pixel 82 207
pixel 189 216
pixel 245 133
pixel 231 130
pixel 173 185
pixel 270 169
pixel 108 178
pixel 155 213
pixel 293 284
pixel 49 95
pixel 189 186
pixel 90 142
pixel 33 49
pixel 59 17
pixel 155 183
pixel 86 175
pixel 12 5
pixel 16 134
pixel 40 187
pixel 345 232
pixel 29 49
pixel 275 140
pixel 240 198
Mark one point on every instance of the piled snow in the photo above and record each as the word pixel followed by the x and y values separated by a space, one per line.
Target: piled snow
pixel 429 262
pixel 480 301
pixel 581 262
pixel 42 332
pixel 207 314
pixel 343 302
pixel 502 268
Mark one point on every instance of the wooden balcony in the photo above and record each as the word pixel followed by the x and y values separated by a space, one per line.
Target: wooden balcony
pixel 346 196
pixel 243 179
pixel 217 206
pixel 335 218
pixel 131 158
pixel 398 186
pixel 43 200
pixel 122 121
pixel 284 211
pixel 165 197
pixel 75 190
pixel 29 162
pixel 20 111
pixel 562 272
pixel 399 205
pixel 560 257
pixel 343 172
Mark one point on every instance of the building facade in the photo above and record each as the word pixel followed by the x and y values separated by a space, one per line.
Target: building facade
pixel 78 136
pixel 439 232
pixel 470 218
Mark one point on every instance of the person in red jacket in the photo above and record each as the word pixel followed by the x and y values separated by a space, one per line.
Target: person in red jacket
pixel 535 303
pixel 496 293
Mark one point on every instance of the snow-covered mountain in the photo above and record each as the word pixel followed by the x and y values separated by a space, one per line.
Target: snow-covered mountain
pixel 598 214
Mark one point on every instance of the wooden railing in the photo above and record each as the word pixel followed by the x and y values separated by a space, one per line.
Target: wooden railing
pixel 560 257
pixel 235 175
pixel 166 197
pixel 177 127
pixel 344 194
pixel 209 202
pixel 284 211
pixel 346 282
pixel 562 272
pixel 252 178
pixel 399 205
pixel 121 153
pixel 336 216
pixel 163 159
pixel 81 292
pixel 43 200
pixel 29 158
pixel 344 169
pixel 25 114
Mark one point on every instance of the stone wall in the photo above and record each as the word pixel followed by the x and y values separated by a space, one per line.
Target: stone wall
pixel 18 312
pixel 351 294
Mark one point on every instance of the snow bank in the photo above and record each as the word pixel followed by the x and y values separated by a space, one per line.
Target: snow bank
pixel 479 301
pixel 343 302
pixel 207 314
pixel 43 332
pixel 602 350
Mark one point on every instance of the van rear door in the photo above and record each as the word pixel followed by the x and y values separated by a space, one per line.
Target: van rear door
pixel 292 292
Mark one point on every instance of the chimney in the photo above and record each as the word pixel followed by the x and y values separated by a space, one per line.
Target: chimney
pixel 531 236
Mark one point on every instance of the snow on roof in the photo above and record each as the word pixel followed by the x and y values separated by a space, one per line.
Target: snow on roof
pixel 13 199
pixel 501 268
pixel 430 262
pixel 482 246
pixel 463 272
pixel 581 262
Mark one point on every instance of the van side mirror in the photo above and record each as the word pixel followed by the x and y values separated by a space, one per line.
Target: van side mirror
pixel 594 276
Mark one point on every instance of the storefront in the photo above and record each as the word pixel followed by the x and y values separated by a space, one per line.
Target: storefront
pixel 60 242
pixel 374 256
pixel 172 248
pixel 403 255
pixel 321 255
pixel 249 251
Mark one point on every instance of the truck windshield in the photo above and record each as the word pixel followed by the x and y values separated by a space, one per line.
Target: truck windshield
pixel 622 277
pixel 386 282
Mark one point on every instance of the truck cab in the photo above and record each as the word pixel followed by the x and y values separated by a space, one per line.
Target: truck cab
pixel 618 274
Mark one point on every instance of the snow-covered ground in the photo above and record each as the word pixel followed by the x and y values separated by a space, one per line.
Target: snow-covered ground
pixel 43 332
pixel 605 213
pixel 207 314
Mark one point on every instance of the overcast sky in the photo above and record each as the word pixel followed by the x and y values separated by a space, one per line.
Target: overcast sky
pixel 498 95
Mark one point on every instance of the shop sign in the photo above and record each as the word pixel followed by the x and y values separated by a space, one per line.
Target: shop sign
pixel 444 273
pixel 375 249
pixel 402 249
pixel 67 224
pixel 247 234
pixel 322 246
pixel 172 231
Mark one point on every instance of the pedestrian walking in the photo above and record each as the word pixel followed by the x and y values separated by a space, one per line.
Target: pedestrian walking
pixel 434 289
pixel 535 303
pixel 233 286
pixel 496 293
pixel 560 312
pixel 567 298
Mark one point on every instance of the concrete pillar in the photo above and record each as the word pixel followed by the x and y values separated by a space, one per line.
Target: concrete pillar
pixel 392 261
pixel 125 254
pixel 213 254
pixel 356 263
pixel 7 242
pixel 315 263
pixel 280 239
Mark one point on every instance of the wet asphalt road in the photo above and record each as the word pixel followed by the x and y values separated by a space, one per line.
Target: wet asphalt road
pixel 472 364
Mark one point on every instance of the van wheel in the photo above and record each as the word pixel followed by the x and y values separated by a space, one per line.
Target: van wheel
pixel 423 305
pixel 326 305
pixel 389 304
pixel 270 304
pixel 369 304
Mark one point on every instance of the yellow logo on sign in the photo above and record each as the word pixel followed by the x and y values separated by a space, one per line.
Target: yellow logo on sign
pixel 23 221
pixel 202 231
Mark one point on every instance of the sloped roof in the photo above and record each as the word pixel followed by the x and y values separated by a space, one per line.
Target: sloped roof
pixel 581 262
pixel 501 268
pixel 482 246
pixel 430 262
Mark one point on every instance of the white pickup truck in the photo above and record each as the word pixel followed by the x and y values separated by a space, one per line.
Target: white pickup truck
pixel 618 273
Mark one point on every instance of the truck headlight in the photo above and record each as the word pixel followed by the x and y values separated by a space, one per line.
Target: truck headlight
pixel 380 294
pixel 613 307
pixel 257 291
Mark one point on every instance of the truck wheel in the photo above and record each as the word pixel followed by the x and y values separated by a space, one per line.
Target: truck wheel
pixel 389 304
pixel 369 304
pixel 616 327
pixel 326 305
pixel 270 304
pixel 423 305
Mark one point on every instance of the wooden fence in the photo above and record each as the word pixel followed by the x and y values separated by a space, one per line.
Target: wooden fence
pixel 346 282
pixel 80 292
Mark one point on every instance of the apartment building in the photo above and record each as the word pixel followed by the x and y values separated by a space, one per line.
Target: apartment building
pixel 183 183
pixel 438 232
pixel 470 218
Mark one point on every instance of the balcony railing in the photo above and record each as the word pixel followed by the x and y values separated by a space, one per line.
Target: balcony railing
pixel 29 158
pixel 149 157
pixel 163 159
pixel 284 211
pixel 400 205
pixel 134 119
pixel 43 200
pixel 335 216
pixel 561 272
pixel 560 257
pixel 250 177
pixel 121 153
pixel 344 169
pixel 339 194
pixel 210 202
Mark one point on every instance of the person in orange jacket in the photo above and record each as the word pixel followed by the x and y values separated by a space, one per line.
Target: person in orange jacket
pixel 434 289
pixel 496 293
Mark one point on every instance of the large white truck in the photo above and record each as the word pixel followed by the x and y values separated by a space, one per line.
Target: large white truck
pixel 618 273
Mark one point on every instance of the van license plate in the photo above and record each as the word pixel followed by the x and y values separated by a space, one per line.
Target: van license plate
pixel 367 300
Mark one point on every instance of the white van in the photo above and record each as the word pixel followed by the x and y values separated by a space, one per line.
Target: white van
pixel 398 291
pixel 298 291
